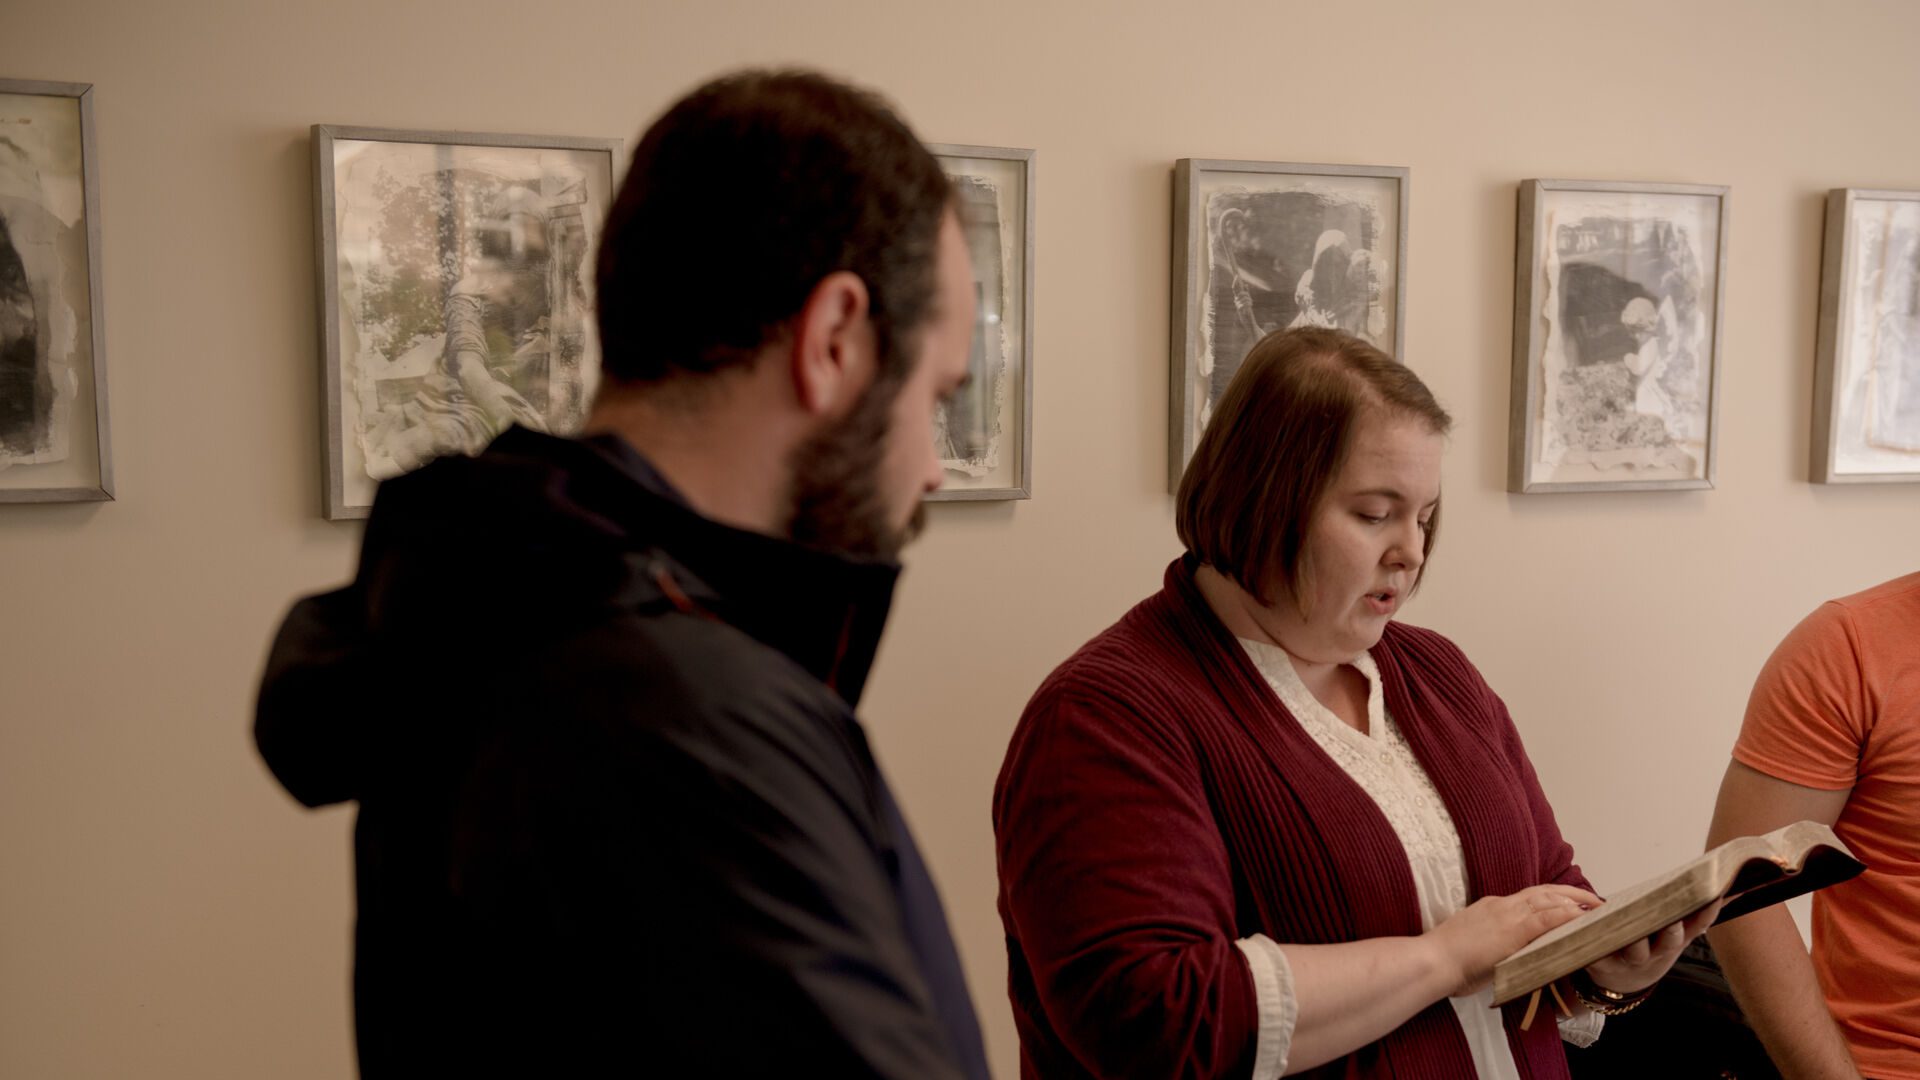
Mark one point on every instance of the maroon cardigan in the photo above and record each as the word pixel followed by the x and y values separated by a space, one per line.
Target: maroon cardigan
pixel 1158 803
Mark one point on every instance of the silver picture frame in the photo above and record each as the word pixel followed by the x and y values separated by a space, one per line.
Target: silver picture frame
pixel 55 443
pixel 1866 383
pixel 455 275
pixel 1619 294
pixel 985 433
pixel 1250 239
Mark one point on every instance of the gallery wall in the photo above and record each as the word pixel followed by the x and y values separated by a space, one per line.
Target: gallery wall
pixel 166 911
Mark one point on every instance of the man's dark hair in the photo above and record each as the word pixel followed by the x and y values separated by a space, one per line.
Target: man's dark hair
pixel 740 199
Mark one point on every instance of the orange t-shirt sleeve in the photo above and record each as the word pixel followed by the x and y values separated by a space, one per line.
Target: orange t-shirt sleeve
pixel 1807 717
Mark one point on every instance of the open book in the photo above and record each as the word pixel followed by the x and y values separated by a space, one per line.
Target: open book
pixel 1751 872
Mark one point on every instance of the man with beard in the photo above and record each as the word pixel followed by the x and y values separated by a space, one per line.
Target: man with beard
pixel 595 696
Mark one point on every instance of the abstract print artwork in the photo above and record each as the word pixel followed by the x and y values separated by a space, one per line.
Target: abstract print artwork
pixel 53 398
pixel 1263 246
pixel 983 433
pixel 456 275
pixel 1867 371
pixel 1616 336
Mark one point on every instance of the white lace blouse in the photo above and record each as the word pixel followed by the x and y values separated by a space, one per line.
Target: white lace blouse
pixel 1382 763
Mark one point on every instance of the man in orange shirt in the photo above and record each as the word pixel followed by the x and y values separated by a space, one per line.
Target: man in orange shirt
pixel 1832 733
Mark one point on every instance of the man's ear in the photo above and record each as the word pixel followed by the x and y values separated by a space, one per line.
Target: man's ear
pixel 833 345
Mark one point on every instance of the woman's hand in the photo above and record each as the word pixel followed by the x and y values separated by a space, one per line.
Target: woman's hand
pixel 1642 963
pixel 1493 928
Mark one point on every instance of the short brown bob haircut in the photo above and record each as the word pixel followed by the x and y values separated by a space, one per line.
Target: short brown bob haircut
pixel 1278 437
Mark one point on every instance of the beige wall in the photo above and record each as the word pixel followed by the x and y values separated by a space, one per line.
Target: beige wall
pixel 166 911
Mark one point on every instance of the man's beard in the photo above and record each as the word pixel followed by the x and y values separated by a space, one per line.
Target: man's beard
pixel 837 501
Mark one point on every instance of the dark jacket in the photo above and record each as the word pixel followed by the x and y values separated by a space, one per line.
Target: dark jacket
pixel 616 813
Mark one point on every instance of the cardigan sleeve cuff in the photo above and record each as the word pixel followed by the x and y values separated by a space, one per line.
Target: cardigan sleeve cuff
pixel 1279 1009
pixel 1583 1030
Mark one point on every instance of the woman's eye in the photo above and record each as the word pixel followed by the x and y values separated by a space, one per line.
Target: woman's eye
pixel 1426 526
pixel 1373 519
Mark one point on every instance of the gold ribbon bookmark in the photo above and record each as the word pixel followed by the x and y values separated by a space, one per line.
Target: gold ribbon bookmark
pixel 1533 1004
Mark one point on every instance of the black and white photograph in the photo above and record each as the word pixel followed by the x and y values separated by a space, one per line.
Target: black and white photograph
pixel 1261 247
pixel 1867 382
pixel 983 433
pixel 457 286
pixel 1616 336
pixel 53 422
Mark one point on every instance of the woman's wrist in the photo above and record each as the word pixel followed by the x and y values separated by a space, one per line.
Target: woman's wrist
pixel 1567 996
pixel 1608 1002
pixel 1441 975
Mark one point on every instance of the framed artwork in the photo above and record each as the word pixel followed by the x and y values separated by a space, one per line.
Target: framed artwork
pixel 1866 391
pixel 1618 292
pixel 53 371
pixel 985 433
pixel 1261 246
pixel 456 293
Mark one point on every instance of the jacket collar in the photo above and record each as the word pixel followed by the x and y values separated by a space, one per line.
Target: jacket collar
pixel 824 610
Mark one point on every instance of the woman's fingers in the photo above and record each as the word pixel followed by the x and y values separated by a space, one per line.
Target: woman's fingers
pixel 1544 907
pixel 1642 963
pixel 1702 919
pixel 1569 892
pixel 1551 897
pixel 1540 920
pixel 1670 941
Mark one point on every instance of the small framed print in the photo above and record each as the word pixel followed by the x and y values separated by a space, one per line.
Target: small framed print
pixel 54 444
pixel 456 293
pixel 1866 391
pixel 984 435
pixel 1616 336
pixel 1260 246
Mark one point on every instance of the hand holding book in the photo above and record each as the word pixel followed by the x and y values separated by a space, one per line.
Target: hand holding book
pixel 1470 942
pixel 1733 879
pixel 1644 962
pixel 1485 932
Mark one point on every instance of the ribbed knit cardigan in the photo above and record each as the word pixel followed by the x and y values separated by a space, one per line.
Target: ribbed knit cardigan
pixel 1158 803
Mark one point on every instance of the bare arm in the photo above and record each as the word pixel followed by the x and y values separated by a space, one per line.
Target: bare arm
pixel 1762 954
pixel 1355 993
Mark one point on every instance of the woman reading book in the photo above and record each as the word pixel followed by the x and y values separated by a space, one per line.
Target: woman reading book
pixel 1257 826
